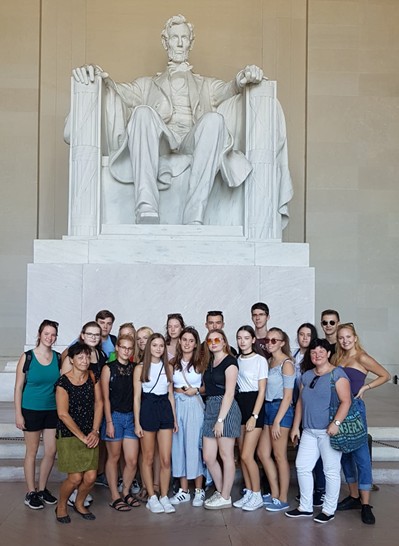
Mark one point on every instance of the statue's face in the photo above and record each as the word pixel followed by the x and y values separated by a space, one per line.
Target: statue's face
pixel 178 44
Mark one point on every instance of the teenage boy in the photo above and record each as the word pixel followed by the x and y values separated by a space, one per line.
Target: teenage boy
pixel 260 316
pixel 329 323
pixel 105 320
pixel 215 321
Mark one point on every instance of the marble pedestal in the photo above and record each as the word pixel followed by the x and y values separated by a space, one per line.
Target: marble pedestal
pixel 142 273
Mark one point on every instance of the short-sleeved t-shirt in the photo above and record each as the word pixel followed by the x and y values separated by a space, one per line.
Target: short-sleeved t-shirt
pixel 316 400
pixel 215 378
pixel 250 371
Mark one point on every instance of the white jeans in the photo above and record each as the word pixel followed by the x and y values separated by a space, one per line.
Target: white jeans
pixel 315 443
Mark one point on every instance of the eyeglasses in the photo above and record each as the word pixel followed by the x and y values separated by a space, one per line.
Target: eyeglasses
pixel 272 340
pixel 215 340
pixel 314 381
pixel 330 322
pixel 90 334
pixel 124 348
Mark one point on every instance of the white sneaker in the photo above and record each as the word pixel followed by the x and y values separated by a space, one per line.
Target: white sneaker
pixel 166 505
pixel 244 499
pixel 180 496
pixel 215 495
pixel 154 505
pixel 254 502
pixel 199 497
pixel 72 499
pixel 218 503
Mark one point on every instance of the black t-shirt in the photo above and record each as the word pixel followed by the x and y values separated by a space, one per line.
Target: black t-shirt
pixel 260 344
pixel 215 378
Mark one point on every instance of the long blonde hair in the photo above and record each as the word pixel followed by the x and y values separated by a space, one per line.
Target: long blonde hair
pixel 340 352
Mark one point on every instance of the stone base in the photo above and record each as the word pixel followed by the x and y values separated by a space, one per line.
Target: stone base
pixel 143 275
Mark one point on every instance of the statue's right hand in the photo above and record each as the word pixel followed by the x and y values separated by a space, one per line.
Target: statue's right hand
pixel 85 74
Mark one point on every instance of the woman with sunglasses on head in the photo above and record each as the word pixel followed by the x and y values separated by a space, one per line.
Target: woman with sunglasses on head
pixel 36 412
pixel 222 423
pixel 155 418
pixel 351 356
pixel 279 415
pixel 252 377
pixel 188 368
pixel 174 327
pixel 313 411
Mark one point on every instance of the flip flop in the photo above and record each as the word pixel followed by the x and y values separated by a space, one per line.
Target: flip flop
pixel 120 505
pixel 130 500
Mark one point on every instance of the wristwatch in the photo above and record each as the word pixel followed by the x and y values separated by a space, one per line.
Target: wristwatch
pixel 255 416
pixel 336 422
pixel 220 420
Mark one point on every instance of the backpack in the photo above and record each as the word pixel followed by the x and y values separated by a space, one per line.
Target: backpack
pixel 28 360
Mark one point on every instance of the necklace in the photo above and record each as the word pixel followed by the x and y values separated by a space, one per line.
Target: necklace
pixel 247 354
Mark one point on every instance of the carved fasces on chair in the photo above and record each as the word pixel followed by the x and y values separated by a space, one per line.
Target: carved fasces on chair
pixel 83 132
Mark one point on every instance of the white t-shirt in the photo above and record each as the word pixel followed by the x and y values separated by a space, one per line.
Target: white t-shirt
pixel 250 370
pixel 192 376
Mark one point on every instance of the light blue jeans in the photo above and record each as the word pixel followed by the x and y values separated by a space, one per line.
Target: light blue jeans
pixel 357 465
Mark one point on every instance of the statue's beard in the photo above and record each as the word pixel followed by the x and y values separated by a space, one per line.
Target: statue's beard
pixel 177 56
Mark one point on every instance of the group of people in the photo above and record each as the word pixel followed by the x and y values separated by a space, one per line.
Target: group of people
pixel 173 406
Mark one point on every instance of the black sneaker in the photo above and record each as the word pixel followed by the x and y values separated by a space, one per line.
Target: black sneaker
pixel 33 500
pixel 367 514
pixel 298 514
pixel 323 518
pixel 318 498
pixel 46 496
pixel 349 503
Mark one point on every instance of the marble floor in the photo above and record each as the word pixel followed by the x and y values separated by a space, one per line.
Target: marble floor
pixel 20 525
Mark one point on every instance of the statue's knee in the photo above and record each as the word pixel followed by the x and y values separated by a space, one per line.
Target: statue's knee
pixel 142 114
pixel 213 120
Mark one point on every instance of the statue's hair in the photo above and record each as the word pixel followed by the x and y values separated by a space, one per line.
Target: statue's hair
pixel 176 20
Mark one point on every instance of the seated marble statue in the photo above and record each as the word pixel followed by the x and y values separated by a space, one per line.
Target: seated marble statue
pixel 157 127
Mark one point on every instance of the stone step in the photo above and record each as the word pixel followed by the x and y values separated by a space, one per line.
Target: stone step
pixel 13 470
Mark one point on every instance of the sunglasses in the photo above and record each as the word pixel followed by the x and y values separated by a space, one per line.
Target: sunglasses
pixel 215 340
pixel 175 316
pixel 330 322
pixel 314 381
pixel 272 340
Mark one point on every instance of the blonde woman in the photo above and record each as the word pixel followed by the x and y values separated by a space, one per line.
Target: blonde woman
pixel 279 416
pixel 358 364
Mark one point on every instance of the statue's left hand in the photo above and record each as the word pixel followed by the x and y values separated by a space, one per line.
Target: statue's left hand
pixel 250 74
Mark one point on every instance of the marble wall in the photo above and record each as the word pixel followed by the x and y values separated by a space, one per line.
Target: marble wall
pixel 337 65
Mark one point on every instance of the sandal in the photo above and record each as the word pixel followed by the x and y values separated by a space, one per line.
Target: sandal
pixel 132 501
pixel 143 495
pixel 120 505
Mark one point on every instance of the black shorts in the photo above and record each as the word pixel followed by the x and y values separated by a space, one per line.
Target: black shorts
pixel 155 412
pixel 36 420
pixel 246 402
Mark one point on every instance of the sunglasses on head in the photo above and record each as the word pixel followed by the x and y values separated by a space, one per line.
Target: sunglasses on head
pixel 272 340
pixel 175 316
pixel 214 340
pixel 330 322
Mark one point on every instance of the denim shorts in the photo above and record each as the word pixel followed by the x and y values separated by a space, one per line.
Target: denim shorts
pixel 123 427
pixel 271 409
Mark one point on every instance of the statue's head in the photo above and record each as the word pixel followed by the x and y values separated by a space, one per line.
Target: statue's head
pixel 178 38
